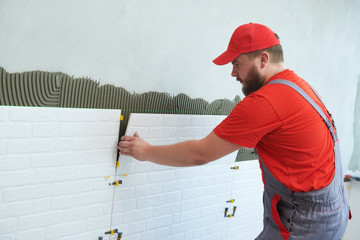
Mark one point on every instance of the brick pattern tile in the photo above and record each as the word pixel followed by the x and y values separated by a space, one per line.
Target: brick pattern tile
pixel 52 186
pixel 52 167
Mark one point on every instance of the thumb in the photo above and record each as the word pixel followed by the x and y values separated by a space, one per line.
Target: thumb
pixel 136 134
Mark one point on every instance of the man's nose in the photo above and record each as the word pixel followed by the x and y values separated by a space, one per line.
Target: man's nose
pixel 233 73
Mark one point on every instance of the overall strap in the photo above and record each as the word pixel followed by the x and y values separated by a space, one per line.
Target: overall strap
pixel 318 96
pixel 311 101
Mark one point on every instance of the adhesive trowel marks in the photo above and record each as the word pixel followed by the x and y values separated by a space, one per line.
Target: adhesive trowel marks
pixel 56 89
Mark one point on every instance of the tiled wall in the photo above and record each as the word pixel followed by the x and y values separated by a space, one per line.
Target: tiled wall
pixel 53 164
pixel 189 202
pixel 52 167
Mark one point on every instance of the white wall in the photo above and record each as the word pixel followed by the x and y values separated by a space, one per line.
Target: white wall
pixel 159 45
pixel 52 167
pixel 53 163
pixel 189 202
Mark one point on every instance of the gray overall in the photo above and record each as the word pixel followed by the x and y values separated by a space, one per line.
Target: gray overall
pixel 319 214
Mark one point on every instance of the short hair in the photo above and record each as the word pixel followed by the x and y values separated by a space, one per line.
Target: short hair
pixel 275 52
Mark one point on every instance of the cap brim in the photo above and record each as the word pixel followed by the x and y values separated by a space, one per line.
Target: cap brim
pixel 225 58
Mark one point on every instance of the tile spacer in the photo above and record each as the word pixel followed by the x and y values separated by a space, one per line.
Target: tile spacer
pixel 116 183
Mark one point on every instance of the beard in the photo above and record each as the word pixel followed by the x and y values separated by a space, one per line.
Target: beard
pixel 252 82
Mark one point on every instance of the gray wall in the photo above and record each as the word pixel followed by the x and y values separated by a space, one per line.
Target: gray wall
pixel 145 45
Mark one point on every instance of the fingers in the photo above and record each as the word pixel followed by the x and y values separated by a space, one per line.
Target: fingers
pixel 133 146
pixel 125 143
pixel 130 138
pixel 127 138
pixel 123 146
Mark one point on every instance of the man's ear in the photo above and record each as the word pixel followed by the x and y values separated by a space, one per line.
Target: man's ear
pixel 264 59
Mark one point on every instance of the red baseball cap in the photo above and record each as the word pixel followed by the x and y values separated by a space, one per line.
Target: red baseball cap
pixel 249 37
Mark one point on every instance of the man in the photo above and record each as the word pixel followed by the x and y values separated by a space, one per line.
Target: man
pixel 292 131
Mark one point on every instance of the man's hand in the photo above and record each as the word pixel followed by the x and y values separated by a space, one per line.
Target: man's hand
pixel 188 153
pixel 134 146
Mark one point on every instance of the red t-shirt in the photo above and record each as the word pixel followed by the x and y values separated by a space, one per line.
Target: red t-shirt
pixel 289 135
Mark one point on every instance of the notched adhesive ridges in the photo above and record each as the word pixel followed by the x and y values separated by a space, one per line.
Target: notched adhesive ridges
pixel 56 89
pixel 41 89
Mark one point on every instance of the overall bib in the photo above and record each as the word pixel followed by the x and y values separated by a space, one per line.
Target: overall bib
pixel 319 214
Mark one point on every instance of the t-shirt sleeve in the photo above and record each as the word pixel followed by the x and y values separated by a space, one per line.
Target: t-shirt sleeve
pixel 250 120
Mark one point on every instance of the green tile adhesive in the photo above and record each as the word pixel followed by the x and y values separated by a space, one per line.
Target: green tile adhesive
pixel 56 89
